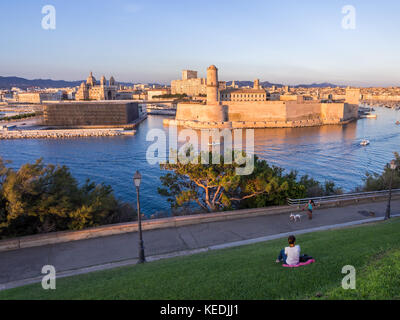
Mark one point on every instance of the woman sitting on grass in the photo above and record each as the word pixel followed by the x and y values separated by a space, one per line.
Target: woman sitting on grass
pixel 290 255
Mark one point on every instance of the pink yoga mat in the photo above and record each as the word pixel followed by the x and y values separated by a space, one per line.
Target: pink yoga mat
pixel 301 264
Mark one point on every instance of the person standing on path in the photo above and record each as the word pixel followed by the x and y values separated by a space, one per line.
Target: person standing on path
pixel 310 206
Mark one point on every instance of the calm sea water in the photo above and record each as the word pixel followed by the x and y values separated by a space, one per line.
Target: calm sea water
pixel 325 153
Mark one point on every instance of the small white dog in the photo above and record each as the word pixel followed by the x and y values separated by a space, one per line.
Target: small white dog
pixel 295 217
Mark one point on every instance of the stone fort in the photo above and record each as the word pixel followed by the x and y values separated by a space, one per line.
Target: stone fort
pixel 253 108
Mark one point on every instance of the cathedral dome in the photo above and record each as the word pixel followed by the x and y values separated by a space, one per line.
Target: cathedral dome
pixel 91 80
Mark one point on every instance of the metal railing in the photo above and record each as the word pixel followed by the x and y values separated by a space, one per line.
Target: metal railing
pixel 342 197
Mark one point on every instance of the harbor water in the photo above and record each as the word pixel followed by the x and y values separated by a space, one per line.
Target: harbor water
pixel 324 153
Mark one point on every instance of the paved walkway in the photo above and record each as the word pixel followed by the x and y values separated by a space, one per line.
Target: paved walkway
pixel 16 267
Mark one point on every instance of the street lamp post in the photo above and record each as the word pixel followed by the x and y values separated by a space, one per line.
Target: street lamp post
pixel 137 178
pixel 393 167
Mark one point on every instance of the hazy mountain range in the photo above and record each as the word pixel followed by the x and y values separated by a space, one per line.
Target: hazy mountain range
pixel 278 85
pixel 9 82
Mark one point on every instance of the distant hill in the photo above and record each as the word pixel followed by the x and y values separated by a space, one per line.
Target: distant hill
pixel 250 84
pixel 278 85
pixel 9 82
pixel 318 85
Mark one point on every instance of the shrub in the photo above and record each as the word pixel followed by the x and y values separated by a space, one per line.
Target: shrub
pixel 39 199
pixel 19 117
pixel 377 182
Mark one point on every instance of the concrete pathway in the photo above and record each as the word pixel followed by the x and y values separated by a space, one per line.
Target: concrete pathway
pixel 24 266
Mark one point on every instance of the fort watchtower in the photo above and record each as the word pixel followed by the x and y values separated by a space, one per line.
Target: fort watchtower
pixel 212 85
pixel 353 95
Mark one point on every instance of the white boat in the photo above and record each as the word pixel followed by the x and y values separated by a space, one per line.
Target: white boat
pixel 214 144
pixel 365 142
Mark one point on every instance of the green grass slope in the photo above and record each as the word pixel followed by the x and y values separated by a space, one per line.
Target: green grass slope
pixel 250 272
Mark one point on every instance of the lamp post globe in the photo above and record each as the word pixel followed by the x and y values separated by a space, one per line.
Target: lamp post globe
pixel 137 179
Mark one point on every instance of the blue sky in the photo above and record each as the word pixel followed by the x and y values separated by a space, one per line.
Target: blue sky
pixel 288 42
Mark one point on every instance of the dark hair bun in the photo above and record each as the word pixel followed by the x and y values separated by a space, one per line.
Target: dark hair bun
pixel 292 239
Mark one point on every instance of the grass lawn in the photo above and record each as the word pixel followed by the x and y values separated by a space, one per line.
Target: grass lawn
pixel 250 272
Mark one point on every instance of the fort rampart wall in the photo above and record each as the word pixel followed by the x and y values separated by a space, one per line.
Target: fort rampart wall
pixel 268 114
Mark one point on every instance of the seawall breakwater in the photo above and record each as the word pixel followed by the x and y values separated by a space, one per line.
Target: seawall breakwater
pixel 63 134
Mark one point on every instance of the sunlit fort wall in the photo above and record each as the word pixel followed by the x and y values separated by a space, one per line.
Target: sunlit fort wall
pixel 91 114
pixel 262 114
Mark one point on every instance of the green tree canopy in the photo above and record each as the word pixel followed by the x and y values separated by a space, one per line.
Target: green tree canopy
pixel 377 182
pixel 39 198
pixel 218 186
